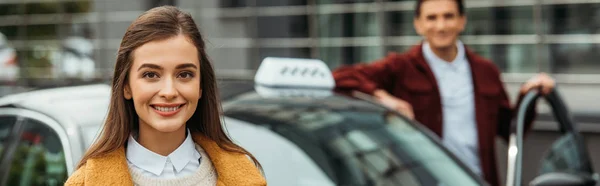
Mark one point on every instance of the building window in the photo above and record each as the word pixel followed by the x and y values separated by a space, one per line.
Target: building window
pixel 283 27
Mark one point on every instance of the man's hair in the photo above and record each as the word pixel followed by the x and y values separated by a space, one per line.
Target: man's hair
pixel 459 4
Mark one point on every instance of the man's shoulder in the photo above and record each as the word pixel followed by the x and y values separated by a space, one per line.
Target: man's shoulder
pixel 405 57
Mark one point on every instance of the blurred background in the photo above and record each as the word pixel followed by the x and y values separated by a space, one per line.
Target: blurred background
pixel 524 36
pixel 62 42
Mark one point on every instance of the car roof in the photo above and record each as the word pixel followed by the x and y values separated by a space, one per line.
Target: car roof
pixel 77 105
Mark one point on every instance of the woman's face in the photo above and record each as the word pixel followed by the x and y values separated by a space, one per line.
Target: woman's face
pixel 164 83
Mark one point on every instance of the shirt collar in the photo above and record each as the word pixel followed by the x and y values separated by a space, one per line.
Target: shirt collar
pixel 152 162
pixel 185 153
pixel 433 59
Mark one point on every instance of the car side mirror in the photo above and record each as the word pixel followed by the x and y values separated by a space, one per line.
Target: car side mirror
pixel 563 179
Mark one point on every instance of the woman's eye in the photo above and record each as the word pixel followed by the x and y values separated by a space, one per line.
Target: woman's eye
pixel 150 75
pixel 186 75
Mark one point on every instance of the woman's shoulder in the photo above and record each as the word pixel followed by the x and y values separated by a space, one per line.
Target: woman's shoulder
pixel 77 178
pixel 110 165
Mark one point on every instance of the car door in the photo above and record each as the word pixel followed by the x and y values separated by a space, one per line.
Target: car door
pixel 32 153
pixel 567 162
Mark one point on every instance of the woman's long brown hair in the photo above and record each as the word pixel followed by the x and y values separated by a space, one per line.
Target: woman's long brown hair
pixel 158 24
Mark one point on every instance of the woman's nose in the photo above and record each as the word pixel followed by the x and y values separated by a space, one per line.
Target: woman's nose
pixel 168 90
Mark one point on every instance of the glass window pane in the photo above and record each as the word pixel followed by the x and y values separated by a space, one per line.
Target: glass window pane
pixel 119 5
pixel 11 9
pixel 510 58
pixel 400 23
pixel 117 29
pixel 282 26
pixel 280 2
pixel 39 158
pixel 337 56
pixel 85 30
pixel 6 125
pixel 572 18
pixel 564 156
pixel 156 3
pixel 77 6
pixel 348 25
pixel 231 58
pixel 398 49
pixel 284 52
pixel 11 32
pixel 238 27
pixel 231 3
pixel 42 8
pixel 500 21
pixel 574 58
pixel 343 1
pixel 41 32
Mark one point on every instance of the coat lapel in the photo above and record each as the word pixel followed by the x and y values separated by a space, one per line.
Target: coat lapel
pixel 110 169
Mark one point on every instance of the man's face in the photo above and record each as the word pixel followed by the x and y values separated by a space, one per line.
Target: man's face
pixel 440 23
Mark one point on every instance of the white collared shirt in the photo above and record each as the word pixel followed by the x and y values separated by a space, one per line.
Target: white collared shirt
pixel 184 161
pixel 455 83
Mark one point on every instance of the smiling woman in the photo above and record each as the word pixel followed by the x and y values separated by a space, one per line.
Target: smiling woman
pixel 164 125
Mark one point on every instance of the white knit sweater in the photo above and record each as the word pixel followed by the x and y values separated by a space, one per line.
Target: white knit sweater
pixel 205 175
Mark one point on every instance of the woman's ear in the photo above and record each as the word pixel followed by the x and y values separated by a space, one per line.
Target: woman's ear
pixel 127 92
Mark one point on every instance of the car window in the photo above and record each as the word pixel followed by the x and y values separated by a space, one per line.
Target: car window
pixel 282 161
pixel 39 157
pixel 563 156
pixel 358 145
pixel 6 125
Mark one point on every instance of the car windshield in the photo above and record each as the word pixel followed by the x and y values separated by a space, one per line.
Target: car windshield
pixel 354 142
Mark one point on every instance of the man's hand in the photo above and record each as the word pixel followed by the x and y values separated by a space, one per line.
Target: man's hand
pixel 394 103
pixel 542 81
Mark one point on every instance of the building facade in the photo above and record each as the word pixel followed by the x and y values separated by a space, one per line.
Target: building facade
pixel 520 36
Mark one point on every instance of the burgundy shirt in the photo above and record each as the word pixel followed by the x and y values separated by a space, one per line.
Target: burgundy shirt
pixel 409 77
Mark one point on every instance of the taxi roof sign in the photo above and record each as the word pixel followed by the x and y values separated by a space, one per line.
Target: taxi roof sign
pixel 276 72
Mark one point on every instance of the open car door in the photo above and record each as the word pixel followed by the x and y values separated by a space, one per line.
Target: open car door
pixel 567 162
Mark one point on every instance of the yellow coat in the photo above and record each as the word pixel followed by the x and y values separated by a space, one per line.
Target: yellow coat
pixel 111 169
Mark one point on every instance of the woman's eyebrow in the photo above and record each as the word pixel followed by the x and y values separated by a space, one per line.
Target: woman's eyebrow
pixel 186 65
pixel 149 65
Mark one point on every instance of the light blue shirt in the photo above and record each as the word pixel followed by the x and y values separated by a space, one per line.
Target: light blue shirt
pixel 455 83
pixel 184 161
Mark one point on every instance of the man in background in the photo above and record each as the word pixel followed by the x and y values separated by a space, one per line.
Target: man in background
pixel 445 86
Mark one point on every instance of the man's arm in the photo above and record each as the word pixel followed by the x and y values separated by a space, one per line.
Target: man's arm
pixel 368 77
pixel 376 79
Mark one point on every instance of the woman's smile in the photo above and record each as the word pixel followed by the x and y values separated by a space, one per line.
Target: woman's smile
pixel 167 110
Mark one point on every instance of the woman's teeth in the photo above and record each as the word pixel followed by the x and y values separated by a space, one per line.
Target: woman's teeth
pixel 166 109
